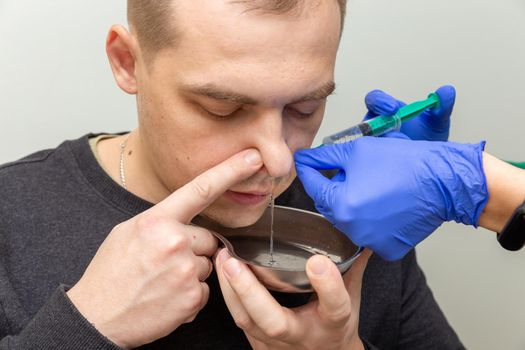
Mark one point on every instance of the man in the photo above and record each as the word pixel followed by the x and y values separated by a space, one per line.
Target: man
pixel 226 92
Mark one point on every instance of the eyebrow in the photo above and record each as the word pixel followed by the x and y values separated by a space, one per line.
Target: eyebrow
pixel 321 93
pixel 213 91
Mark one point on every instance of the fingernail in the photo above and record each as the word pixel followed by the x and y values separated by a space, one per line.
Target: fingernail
pixel 222 256
pixel 317 266
pixel 232 268
pixel 253 157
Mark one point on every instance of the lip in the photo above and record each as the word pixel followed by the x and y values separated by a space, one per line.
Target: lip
pixel 247 198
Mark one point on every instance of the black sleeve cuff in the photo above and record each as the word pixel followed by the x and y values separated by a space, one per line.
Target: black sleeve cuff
pixel 59 325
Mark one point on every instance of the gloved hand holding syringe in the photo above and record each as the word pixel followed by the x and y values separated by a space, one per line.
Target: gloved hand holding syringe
pixel 392 192
pixel 382 124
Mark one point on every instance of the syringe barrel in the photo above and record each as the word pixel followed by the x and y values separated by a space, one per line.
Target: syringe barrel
pixel 346 135
pixel 383 124
pixel 372 127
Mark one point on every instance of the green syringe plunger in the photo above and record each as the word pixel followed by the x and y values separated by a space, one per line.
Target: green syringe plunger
pixel 383 124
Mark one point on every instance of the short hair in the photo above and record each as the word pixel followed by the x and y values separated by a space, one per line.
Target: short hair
pixel 153 23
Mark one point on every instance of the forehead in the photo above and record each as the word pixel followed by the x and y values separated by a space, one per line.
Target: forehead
pixel 230 26
pixel 225 39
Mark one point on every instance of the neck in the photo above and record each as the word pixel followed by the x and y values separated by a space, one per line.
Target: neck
pixel 140 177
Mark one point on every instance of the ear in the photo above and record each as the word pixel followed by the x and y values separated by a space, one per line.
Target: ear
pixel 122 50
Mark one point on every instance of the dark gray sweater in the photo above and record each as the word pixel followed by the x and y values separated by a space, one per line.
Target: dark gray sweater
pixel 56 208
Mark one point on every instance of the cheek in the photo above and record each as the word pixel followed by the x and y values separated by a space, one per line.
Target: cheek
pixel 189 157
pixel 165 126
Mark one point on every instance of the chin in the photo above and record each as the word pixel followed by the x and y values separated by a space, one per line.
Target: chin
pixel 235 217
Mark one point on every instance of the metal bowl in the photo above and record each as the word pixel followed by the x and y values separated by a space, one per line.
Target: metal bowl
pixel 298 235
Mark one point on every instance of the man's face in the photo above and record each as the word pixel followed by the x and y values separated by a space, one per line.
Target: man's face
pixel 237 80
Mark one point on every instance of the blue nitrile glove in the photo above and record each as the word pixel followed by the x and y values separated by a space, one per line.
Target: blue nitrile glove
pixel 392 193
pixel 431 125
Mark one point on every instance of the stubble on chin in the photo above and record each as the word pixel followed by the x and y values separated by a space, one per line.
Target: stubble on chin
pixel 235 216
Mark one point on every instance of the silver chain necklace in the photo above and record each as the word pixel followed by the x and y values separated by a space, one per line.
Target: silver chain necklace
pixel 122 174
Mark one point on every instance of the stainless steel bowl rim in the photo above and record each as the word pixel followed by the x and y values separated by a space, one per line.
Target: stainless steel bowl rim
pixel 231 249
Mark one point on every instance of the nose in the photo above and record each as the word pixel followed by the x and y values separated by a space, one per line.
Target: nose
pixel 270 139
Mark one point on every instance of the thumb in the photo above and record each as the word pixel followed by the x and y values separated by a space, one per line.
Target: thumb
pixel 334 301
pixel 317 186
pixel 439 118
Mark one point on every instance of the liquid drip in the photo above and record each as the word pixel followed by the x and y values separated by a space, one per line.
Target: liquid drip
pixel 272 204
pixel 286 256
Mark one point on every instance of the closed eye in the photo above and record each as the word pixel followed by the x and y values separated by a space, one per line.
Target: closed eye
pixel 219 115
pixel 299 114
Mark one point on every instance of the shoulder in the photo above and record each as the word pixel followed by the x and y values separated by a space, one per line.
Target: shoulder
pixel 42 172
pixel 34 158
pixel 32 169
pixel 383 279
pixel 391 278
pixel 24 165
pixel 43 158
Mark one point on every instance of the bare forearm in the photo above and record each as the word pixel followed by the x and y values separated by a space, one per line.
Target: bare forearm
pixel 506 187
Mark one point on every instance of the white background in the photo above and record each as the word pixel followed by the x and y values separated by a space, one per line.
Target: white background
pixel 55 84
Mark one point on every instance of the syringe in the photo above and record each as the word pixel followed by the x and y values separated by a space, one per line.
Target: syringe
pixel 383 124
